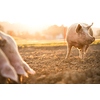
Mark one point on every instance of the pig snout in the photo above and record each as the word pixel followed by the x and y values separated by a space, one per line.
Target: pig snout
pixel 91 40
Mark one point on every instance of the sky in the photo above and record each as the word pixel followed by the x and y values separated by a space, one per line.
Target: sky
pixel 50 12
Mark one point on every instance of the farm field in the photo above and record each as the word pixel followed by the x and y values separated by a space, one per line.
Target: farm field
pixel 51 67
pixel 27 42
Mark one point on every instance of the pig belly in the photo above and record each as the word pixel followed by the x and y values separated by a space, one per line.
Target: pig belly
pixel 77 45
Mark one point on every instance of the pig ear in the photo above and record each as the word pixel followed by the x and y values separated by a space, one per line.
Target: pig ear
pixel 89 26
pixel 9 72
pixel 78 28
pixel 27 68
pixel 2 42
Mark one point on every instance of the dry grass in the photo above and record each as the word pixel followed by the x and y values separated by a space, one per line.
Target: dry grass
pixel 27 43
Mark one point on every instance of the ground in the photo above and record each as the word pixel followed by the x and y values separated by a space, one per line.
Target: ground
pixel 52 68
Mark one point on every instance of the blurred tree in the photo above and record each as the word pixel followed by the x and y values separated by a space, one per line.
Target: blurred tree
pixel 11 33
pixel 25 34
pixel 54 31
pixel 37 35
pixel 1 28
pixel 98 32
pixel 43 37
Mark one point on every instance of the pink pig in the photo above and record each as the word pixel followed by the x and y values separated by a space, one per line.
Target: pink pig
pixel 6 69
pixel 79 35
pixel 11 51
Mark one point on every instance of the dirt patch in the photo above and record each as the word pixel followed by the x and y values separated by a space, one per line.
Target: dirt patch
pixel 52 68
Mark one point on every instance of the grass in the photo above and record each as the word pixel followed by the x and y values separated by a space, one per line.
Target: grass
pixel 97 41
pixel 27 43
pixel 40 43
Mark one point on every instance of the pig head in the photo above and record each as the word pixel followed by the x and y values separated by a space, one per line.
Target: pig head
pixel 11 51
pixel 79 35
pixel 6 69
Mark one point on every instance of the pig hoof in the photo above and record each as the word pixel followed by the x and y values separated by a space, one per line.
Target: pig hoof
pixel 66 60
pixel 66 57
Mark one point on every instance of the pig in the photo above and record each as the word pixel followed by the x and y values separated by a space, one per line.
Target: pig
pixel 79 35
pixel 11 51
pixel 6 69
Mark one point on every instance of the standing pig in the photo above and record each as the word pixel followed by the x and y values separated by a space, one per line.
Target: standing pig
pixel 11 51
pixel 6 70
pixel 79 35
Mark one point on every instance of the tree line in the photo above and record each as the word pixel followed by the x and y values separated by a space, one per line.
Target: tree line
pixel 52 32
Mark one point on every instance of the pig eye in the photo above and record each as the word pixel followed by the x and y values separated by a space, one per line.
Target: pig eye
pixel 83 33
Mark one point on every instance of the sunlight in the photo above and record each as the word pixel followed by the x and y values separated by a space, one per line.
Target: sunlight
pixel 49 12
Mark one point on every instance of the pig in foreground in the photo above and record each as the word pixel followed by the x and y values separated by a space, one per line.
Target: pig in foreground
pixel 6 69
pixel 79 35
pixel 11 51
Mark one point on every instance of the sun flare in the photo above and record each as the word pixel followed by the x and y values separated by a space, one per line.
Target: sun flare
pixel 49 12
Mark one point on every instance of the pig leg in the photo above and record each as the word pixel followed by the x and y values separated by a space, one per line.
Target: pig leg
pixel 68 51
pixel 82 52
pixel 86 47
